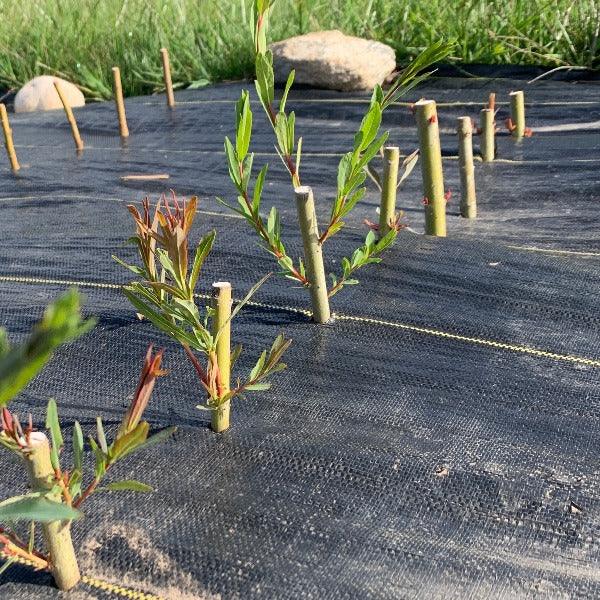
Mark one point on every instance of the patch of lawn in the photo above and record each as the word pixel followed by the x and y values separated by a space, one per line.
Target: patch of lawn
pixel 211 40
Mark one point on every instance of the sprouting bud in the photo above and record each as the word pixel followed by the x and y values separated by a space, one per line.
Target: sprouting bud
pixel 150 371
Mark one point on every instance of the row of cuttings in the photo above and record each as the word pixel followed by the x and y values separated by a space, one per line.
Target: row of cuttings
pixel 166 280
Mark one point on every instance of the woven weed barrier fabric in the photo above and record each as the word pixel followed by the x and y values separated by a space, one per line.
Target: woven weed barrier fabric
pixel 437 440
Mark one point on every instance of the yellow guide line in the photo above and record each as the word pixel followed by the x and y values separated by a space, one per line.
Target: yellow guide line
pixel 111 588
pixel 439 333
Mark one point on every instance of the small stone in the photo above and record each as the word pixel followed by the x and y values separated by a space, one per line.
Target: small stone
pixel 40 94
pixel 442 471
pixel 333 60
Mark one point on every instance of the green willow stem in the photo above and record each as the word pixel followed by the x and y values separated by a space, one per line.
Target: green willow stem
pixel 57 534
pixel 517 113
pixel 389 185
pixel 468 199
pixel 313 254
pixel 431 168
pixel 487 136
pixel 222 327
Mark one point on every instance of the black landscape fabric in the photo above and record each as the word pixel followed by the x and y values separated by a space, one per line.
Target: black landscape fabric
pixel 439 439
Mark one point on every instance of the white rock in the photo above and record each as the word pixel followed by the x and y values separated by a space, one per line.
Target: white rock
pixel 40 94
pixel 333 60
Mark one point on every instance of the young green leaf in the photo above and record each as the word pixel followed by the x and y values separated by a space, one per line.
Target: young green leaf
pixel 243 126
pixel 61 323
pixel 101 436
pixel 101 459
pixel 288 85
pixel 202 251
pixel 77 446
pixel 258 387
pixel 9 561
pixel 53 425
pixel 233 164
pixel 36 508
pixel 156 438
pixel 257 369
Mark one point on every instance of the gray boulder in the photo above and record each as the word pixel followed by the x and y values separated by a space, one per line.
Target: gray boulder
pixel 333 60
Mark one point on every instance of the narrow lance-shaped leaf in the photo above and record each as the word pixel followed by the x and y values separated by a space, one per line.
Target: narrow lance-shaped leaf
pixel 244 126
pixel 36 508
pixel 242 302
pixel 77 446
pixel 101 436
pixel 202 251
pixel 53 425
pixel 55 433
pixel 288 85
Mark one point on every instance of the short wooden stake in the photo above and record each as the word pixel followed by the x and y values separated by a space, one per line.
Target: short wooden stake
pixel 431 168
pixel 164 53
pixel 468 199
pixel 387 208
pixel 517 113
pixel 8 139
pixel 70 116
pixel 492 101
pixel 222 326
pixel 57 534
pixel 118 91
pixel 313 254
pixel 487 136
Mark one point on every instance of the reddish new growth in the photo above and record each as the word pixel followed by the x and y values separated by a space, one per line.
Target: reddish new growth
pixel 395 224
pixel 150 371
pixel 175 221
pixel 210 378
pixel 447 196
pixel 528 132
pixel 131 421
pixel 11 544
pixel 432 119
pixel 145 238
pixel 12 429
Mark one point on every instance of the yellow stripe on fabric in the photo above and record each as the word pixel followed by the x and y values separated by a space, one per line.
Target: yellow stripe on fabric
pixel 111 588
pixel 439 333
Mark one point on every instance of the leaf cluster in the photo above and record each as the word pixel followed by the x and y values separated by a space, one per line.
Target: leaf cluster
pixel 353 168
pixel 240 162
pixel 167 297
pixel 367 254
pixel 406 168
pixel 60 495
pixel 65 488
pixel 19 364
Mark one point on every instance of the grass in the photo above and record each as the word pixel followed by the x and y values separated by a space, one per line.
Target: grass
pixel 210 40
